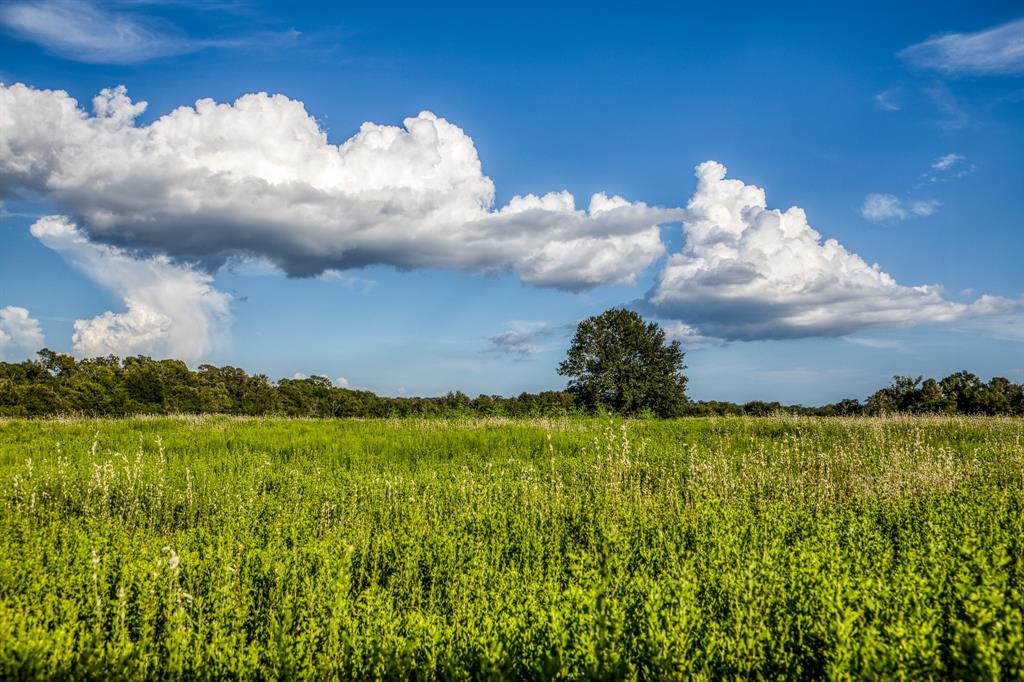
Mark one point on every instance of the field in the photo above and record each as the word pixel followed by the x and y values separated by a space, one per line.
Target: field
pixel 579 548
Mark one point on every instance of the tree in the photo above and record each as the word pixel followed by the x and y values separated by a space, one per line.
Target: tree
pixel 844 408
pixel 902 396
pixel 618 361
pixel 930 399
pixel 57 364
pixel 145 385
pixel 965 391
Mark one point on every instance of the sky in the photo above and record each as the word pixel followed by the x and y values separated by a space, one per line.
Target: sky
pixel 811 198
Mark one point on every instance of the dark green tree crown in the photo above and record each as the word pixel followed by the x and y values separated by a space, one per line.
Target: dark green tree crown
pixel 619 362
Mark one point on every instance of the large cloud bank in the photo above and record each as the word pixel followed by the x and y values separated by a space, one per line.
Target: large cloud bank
pixel 154 210
pixel 259 178
pixel 20 334
pixel 750 272
pixel 172 310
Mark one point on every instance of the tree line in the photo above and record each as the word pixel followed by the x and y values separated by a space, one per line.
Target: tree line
pixel 56 384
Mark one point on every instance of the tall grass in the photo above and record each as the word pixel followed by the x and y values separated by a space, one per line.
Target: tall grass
pixel 581 548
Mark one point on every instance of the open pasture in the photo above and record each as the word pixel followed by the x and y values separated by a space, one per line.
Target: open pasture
pixel 578 548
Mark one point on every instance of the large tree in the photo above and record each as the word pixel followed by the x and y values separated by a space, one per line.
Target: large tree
pixel 619 362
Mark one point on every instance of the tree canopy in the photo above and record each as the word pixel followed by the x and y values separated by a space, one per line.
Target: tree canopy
pixel 619 362
pixel 58 384
pixel 958 393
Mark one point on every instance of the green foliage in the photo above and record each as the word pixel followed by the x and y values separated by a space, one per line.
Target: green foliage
pixel 619 362
pixel 959 393
pixel 770 548
pixel 57 384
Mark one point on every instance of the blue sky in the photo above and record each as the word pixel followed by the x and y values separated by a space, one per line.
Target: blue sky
pixel 898 129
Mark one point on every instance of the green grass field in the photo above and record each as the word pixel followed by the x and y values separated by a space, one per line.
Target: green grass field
pixel 265 548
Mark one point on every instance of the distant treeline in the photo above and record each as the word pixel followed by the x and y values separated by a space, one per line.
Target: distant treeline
pixel 57 384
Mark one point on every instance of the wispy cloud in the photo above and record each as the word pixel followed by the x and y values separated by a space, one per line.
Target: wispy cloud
pixel 872 342
pixel 954 116
pixel 888 100
pixel 808 373
pixel 946 161
pixel 949 167
pixel 1006 323
pixel 882 207
pixel 521 339
pixel 85 31
pixel 993 51
pixel 363 285
pixel 6 213
pixel 925 207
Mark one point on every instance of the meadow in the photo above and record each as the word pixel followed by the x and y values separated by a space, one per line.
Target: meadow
pixel 778 547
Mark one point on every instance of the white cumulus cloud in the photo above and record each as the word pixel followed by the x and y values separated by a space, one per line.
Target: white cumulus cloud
pixel 153 210
pixel 20 334
pixel 259 179
pixel 171 311
pixel 751 272
pixel 993 51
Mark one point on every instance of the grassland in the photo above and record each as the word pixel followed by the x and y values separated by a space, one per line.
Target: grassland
pixel 261 548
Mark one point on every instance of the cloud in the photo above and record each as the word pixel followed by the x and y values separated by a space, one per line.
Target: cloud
pixel 872 342
pixel 258 178
pixel 156 208
pixel 1005 322
pixel 171 310
pixel 887 100
pixel 954 116
pixel 20 335
pixel 521 339
pixel 994 51
pixel 363 285
pixel 690 337
pixel 947 161
pixel 749 272
pixel 340 382
pixel 882 207
pixel 948 167
pixel 87 32
pixel 82 31
pixel 815 374
pixel 924 207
